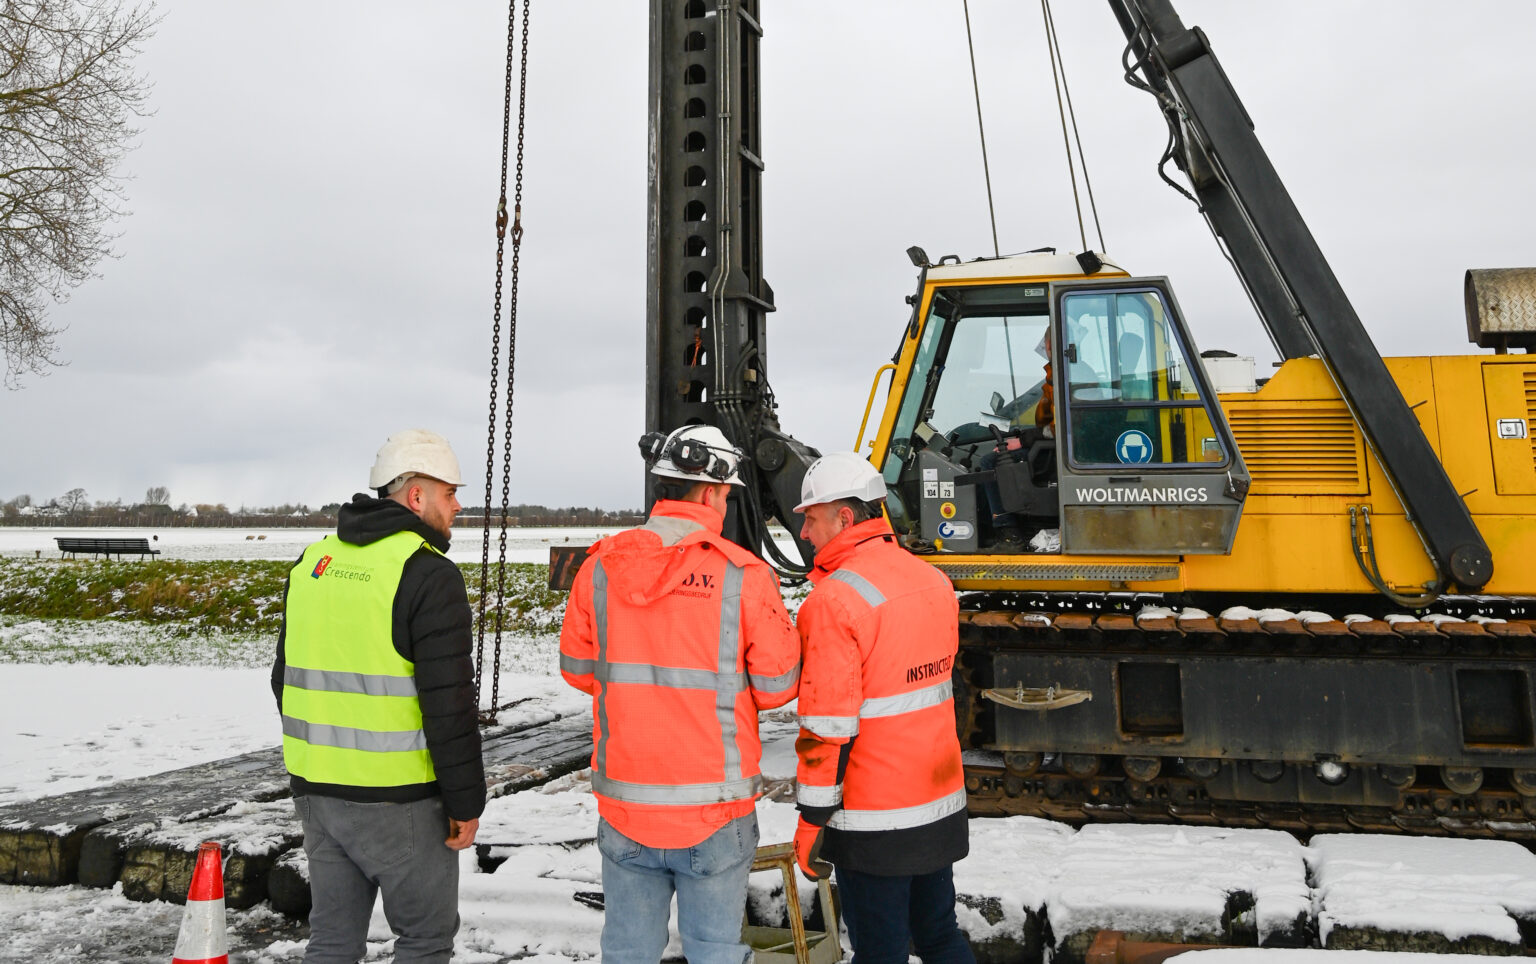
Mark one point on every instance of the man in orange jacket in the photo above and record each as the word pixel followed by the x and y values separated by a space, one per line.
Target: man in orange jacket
pixel 881 788
pixel 681 637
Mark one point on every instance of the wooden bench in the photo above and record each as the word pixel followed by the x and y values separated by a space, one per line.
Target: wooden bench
pixel 69 546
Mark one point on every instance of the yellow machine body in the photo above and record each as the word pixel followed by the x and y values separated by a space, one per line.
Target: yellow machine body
pixel 1308 462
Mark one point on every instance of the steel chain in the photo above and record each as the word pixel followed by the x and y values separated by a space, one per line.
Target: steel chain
pixel 517 247
pixel 490 442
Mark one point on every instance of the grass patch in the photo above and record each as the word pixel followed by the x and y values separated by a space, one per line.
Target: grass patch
pixel 244 597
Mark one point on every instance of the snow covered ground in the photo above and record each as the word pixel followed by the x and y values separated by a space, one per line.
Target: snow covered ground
pixel 72 726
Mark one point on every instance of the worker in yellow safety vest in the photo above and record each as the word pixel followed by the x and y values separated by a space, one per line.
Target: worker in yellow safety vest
pixel 376 689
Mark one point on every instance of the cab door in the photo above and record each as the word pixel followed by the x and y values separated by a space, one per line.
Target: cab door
pixel 1145 460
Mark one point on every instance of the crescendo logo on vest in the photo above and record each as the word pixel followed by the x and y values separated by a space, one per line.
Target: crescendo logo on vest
pixel 341 572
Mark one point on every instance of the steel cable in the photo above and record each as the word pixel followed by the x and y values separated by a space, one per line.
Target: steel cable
pixel 985 169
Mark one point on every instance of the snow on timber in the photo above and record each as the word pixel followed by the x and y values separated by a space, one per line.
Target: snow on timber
pixel 1459 888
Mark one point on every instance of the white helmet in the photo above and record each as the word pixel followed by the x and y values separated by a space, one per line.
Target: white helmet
pixel 840 475
pixel 694 453
pixel 414 451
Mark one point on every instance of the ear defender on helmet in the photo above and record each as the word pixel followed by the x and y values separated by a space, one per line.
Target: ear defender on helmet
pixel 652 445
pixel 684 454
pixel 694 456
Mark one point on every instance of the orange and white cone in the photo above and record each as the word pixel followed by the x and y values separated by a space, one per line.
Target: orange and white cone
pixel 203 938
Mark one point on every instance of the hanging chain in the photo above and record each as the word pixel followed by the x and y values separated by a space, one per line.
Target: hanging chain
pixel 490 444
pixel 517 248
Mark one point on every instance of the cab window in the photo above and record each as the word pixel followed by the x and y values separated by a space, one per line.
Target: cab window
pixel 1131 395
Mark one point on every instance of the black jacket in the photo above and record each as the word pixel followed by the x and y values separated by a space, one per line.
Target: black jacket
pixel 433 629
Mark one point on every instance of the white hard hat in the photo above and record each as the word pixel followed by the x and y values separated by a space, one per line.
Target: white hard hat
pixel 695 453
pixel 840 475
pixel 414 451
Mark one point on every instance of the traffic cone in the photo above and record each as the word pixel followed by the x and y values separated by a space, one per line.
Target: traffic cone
pixel 203 938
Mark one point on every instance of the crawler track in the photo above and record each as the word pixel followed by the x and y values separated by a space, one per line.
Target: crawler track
pixel 1420 726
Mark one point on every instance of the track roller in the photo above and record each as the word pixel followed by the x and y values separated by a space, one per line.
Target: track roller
pixel 1463 780
pixel 1202 768
pixel 1142 769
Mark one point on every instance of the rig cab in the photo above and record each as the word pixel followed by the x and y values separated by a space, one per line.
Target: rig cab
pixel 1037 412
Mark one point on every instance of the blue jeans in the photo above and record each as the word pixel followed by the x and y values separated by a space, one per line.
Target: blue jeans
pixel 886 914
pixel 710 879
pixel 356 851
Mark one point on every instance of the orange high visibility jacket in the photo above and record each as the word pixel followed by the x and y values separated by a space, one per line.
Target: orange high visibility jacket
pixel 681 637
pixel 1045 409
pixel 878 751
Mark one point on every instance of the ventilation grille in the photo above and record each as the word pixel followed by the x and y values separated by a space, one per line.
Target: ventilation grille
pixel 1301 448
pixel 1529 377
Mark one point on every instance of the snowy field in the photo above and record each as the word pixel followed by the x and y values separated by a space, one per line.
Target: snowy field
pixel 523 545
pixel 72 726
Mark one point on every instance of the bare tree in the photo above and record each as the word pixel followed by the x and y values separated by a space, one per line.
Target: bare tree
pixel 157 495
pixel 67 91
pixel 73 501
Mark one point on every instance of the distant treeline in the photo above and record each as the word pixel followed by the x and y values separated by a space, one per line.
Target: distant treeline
pixel 540 515
pixel 78 512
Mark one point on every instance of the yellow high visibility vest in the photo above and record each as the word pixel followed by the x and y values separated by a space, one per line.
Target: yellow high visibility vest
pixel 350 710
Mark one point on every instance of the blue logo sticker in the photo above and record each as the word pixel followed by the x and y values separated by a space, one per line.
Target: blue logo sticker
pixel 956 530
pixel 1133 447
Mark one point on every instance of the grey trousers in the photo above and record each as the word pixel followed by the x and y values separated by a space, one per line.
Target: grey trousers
pixel 359 850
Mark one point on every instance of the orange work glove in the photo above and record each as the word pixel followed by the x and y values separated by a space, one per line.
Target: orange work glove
pixel 808 851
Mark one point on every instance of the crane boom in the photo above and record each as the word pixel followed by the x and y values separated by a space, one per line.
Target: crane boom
pixel 1302 304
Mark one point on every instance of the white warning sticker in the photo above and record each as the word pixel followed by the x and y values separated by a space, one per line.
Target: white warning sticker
pixel 930 490
pixel 946 490
pixel 930 475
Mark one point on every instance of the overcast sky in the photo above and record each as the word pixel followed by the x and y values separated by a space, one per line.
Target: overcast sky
pixel 308 263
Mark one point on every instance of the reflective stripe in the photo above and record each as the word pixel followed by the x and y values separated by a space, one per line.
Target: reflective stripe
pixel 808 795
pixel 776 684
pixel 687 794
pixel 862 586
pixel 600 615
pixel 351 738
pixel 831 725
pixel 730 643
pixel 906 702
pixel 674 677
pixel 672 530
pixel 577 667
pixel 900 818
pixel 877 707
pixel 331 681
pixel 203 937
pixel 725 680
